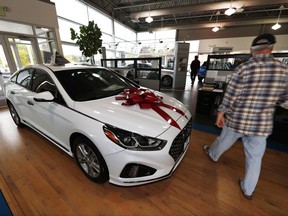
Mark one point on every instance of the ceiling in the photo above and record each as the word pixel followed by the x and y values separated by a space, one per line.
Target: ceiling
pixel 197 15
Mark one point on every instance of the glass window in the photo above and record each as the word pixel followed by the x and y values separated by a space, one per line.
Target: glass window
pixel 97 59
pixel 15 27
pixel 119 44
pixel 47 48
pixel 72 10
pixel 72 53
pixel 146 37
pixel 22 51
pixel 102 21
pixel 107 40
pixel 44 32
pixel 123 32
pixel 167 34
pixel 42 82
pixel 64 29
pixel 4 69
pixel 24 78
pixel 110 54
pixel 130 35
pixel 91 84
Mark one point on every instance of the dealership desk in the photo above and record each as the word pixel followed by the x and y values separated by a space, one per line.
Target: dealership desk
pixel 208 100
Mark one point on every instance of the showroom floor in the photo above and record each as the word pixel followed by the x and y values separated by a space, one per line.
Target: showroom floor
pixel 36 178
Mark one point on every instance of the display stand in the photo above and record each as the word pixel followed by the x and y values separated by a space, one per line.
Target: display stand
pixel 181 62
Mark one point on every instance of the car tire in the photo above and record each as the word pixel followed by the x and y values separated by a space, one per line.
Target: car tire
pixel 167 81
pixel 16 118
pixel 90 160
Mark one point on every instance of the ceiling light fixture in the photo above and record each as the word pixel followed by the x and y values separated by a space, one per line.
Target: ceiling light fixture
pixel 149 19
pixel 231 10
pixel 216 28
pixel 277 25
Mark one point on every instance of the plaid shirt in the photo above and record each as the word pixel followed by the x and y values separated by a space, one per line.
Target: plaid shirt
pixel 253 92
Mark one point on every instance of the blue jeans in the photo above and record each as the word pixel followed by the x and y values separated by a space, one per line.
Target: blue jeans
pixel 254 148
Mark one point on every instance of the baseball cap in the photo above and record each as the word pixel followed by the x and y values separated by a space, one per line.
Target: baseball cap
pixel 264 39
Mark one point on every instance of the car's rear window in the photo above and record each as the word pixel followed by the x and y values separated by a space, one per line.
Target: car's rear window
pixel 91 84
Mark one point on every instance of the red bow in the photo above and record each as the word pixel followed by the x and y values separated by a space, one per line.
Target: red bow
pixel 148 100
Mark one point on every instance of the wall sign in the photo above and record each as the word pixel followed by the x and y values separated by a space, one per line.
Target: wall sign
pixel 3 11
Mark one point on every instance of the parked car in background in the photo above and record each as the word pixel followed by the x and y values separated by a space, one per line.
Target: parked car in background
pixel 129 72
pixel 93 114
pixel 167 76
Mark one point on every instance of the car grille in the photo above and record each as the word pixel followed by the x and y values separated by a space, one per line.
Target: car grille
pixel 177 147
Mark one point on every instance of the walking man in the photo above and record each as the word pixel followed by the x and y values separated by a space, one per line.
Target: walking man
pixel 194 66
pixel 247 109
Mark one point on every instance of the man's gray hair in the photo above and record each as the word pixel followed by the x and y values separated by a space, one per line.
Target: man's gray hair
pixel 261 47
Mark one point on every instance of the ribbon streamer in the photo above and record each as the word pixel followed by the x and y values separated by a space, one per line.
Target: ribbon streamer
pixel 148 100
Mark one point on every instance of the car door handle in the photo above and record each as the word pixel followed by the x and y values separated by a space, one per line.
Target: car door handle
pixel 12 92
pixel 30 103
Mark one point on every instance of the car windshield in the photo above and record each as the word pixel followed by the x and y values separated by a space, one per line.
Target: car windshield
pixel 91 83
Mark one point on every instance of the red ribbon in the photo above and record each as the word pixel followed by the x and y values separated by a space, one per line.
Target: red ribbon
pixel 148 100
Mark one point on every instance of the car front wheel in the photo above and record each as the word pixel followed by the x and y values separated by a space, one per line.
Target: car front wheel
pixel 167 81
pixel 90 160
pixel 14 115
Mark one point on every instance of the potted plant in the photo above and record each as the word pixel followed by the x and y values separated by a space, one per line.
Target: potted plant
pixel 89 40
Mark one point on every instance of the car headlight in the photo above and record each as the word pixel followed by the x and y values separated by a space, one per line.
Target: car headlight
pixel 133 141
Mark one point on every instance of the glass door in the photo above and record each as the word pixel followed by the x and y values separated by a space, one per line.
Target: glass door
pixel 15 53
pixel 4 74
pixel 23 51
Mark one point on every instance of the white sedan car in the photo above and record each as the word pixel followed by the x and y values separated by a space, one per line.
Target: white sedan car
pixel 116 130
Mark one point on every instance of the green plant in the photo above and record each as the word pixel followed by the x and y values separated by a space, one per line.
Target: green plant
pixel 88 40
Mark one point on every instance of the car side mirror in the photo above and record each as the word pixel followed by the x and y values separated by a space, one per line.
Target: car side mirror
pixel 44 96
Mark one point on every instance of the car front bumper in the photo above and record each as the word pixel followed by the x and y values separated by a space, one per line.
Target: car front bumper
pixel 142 167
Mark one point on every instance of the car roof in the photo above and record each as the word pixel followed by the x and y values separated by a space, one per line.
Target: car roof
pixel 55 68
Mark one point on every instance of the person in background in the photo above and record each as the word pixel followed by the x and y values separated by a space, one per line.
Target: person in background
pixel 194 66
pixel 247 109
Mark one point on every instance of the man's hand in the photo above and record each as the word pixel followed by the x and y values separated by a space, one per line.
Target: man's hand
pixel 220 119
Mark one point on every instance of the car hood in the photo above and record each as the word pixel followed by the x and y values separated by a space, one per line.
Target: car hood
pixel 133 118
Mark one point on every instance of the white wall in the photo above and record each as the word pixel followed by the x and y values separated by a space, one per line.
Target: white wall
pixel 30 12
pixel 240 44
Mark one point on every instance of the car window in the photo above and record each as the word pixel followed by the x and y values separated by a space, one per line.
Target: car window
pixel 23 78
pixel 42 82
pixel 145 66
pixel 91 83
